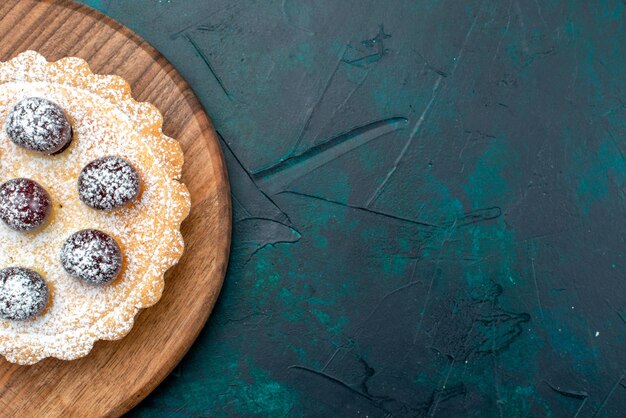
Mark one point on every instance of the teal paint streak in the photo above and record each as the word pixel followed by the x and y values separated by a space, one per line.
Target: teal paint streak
pixel 96 4
pixel 387 93
pixel 610 9
pixel 440 204
pixel 568 341
pixel 223 384
pixel 598 174
pixel 269 284
pixel 305 56
pixel 485 184
pixel 494 255
pixel 261 394
pixel 333 325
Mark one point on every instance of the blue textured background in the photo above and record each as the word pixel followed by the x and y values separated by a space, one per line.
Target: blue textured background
pixel 429 206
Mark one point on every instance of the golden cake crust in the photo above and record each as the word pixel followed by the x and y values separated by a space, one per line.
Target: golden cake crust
pixel 106 120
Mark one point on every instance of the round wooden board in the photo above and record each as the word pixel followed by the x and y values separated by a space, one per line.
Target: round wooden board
pixel 116 375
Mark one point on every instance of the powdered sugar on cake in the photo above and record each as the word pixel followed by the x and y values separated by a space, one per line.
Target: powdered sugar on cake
pixel 146 229
pixel 108 183
pixel 92 256
pixel 23 293
pixel 39 125
pixel 24 204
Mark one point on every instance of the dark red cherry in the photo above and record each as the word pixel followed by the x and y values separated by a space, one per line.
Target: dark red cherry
pixel 23 293
pixel 39 125
pixel 92 256
pixel 108 183
pixel 24 204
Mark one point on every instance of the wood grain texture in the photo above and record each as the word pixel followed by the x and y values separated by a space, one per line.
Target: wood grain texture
pixel 115 376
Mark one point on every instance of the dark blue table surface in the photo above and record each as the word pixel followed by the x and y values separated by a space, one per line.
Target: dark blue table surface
pixel 429 206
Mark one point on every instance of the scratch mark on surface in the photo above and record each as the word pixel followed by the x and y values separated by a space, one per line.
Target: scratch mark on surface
pixel 361 327
pixel 534 274
pixel 443 387
pixel 261 247
pixel 399 289
pixel 283 10
pixel 580 408
pixel 540 14
pixel 290 413
pixel 440 396
pixel 270 72
pixel 608 395
pixel 480 134
pixel 206 28
pixel 434 94
pixel 436 274
pixel 272 231
pixel 466 145
pixel 362 390
pixel 506 30
pixel 314 108
pixel 575 75
pixel 285 17
pixel 428 65
pixel 248 316
pixel 568 393
pixel 494 350
pixel 358 208
pixel 538 237
pixel 474 217
pixel 473 324
pixel 377 42
pixel 334 380
pixel 207 62
pixel 374 196
pixel 368 373
pixel 616 144
pixel 474 138
pixel 369 58
pixel 393 292
pixel 482 329
pixel 241 205
pixel 621 316
pixel 331 358
pixel 241 180
pixel 520 15
pixel 202 18
pixel 278 177
pixel 347 98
